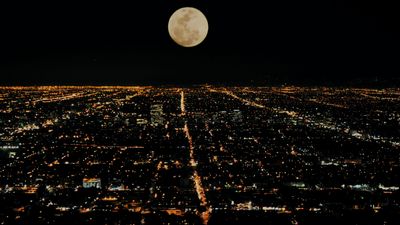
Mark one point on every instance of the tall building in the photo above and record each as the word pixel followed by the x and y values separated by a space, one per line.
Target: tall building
pixel 237 116
pixel 156 113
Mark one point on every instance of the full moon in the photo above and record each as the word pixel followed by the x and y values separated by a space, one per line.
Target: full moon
pixel 188 27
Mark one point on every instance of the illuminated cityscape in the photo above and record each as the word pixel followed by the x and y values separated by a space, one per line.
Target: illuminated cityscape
pixel 199 155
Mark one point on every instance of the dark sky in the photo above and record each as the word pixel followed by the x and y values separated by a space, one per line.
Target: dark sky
pixel 293 41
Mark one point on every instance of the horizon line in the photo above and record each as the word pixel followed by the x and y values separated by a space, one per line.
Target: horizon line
pixel 181 86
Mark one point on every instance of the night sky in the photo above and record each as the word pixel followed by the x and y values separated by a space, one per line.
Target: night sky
pixel 249 41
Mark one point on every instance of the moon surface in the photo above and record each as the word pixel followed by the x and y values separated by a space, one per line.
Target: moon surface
pixel 188 27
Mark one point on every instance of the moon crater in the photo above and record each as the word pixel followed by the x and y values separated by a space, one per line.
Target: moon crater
pixel 188 27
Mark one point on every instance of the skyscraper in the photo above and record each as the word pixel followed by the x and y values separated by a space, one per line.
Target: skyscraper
pixel 156 113
pixel 237 115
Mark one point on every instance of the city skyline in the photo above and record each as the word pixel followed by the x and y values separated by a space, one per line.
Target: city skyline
pixel 200 112
pixel 203 155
